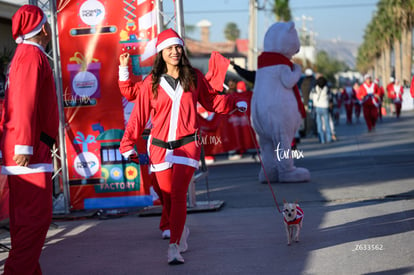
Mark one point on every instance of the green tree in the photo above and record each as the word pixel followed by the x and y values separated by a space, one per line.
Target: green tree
pixel 282 11
pixel 231 31
pixel 407 16
pixel 189 29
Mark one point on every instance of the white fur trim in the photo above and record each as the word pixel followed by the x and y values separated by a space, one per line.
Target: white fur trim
pixel 19 39
pixel 170 160
pixel 31 169
pixel 169 42
pixel 123 73
pixel 36 45
pixel 182 160
pixel 23 150
pixel 160 166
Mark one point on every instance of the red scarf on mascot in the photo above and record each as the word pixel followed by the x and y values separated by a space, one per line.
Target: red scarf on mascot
pixel 271 59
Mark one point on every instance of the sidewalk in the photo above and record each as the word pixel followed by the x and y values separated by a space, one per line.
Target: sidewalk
pixel 359 217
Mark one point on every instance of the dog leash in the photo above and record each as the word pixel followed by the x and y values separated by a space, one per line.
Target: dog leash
pixel 261 162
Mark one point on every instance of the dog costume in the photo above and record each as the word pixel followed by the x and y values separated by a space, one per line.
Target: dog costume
pixel 298 218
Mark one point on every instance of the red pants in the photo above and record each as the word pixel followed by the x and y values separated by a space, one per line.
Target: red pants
pixel 165 220
pixel 30 217
pixel 380 111
pixel 397 109
pixel 357 110
pixel 174 185
pixel 348 109
pixel 370 115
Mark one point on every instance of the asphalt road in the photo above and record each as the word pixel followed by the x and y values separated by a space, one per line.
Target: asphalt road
pixel 359 217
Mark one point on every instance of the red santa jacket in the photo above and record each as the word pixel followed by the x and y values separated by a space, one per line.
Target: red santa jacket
pixel 348 95
pixel 412 87
pixel 369 94
pixel 395 93
pixel 174 116
pixel 30 114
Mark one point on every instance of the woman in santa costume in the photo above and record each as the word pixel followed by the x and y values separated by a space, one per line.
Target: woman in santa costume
pixel 380 95
pixel 169 95
pixel 368 93
pixel 29 126
pixel 395 93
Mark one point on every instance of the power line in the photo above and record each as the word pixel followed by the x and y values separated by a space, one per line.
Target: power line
pixel 293 8
pixel 335 6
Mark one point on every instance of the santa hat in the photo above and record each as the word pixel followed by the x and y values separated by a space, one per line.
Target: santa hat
pixel 367 76
pixel 27 22
pixel 168 38
pixel 241 87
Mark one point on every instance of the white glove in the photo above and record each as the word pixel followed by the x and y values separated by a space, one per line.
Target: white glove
pixel 241 106
pixel 129 153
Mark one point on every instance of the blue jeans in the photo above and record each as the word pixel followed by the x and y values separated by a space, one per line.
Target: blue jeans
pixel 322 122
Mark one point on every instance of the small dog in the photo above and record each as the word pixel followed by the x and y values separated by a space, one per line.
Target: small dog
pixel 293 219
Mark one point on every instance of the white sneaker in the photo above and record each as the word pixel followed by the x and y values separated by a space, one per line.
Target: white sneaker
pixel 183 241
pixel 174 256
pixel 166 234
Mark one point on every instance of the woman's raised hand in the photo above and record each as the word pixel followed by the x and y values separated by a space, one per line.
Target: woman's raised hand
pixel 124 59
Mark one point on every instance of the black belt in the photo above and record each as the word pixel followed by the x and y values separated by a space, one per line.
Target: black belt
pixel 175 143
pixel 48 140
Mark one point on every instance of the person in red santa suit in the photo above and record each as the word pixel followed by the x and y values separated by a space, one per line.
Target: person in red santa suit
pixel 170 94
pixel 368 93
pixel 29 126
pixel 389 88
pixel 395 93
pixel 380 95
pixel 348 97
pixel 357 102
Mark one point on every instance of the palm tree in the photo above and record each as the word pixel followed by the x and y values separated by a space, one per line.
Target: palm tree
pixel 407 16
pixel 381 34
pixel 369 53
pixel 385 28
pixel 231 31
pixel 394 7
pixel 282 11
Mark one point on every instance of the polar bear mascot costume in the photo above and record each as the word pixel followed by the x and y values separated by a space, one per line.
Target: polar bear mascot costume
pixel 276 104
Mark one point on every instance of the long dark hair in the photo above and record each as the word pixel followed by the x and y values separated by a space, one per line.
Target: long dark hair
pixel 186 75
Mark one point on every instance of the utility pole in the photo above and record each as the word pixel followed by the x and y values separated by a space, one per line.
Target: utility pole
pixel 160 16
pixel 180 18
pixel 252 53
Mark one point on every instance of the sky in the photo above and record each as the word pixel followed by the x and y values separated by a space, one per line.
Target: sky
pixel 328 19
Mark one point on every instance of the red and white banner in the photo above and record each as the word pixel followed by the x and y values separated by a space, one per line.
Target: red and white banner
pixel 92 35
